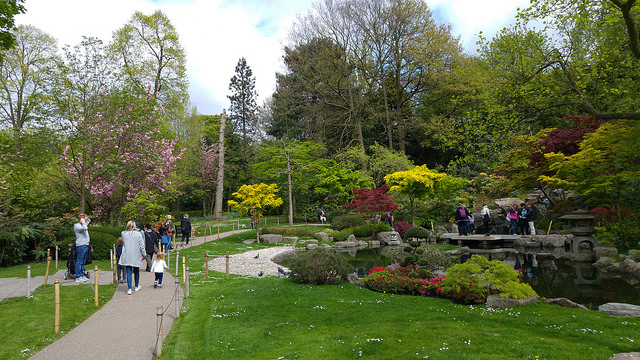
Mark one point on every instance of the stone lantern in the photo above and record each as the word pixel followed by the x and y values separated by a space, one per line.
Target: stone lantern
pixel 581 225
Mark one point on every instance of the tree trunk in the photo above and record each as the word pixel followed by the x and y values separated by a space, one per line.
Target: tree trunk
pixel 289 184
pixel 217 212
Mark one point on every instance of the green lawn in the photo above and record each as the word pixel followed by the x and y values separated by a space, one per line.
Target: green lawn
pixel 27 324
pixel 270 318
pixel 40 268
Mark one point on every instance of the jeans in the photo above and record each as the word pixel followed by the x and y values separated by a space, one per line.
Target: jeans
pixel 186 236
pixel 462 227
pixel 120 273
pixel 513 226
pixel 136 273
pixel 532 228
pixel 159 278
pixel 166 241
pixel 148 258
pixel 81 258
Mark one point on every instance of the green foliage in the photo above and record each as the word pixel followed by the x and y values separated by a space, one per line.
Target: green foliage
pixel 347 221
pixel 342 235
pixel 386 281
pixel 101 242
pixel 382 227
pixel 320 267
pixel 299 231
pixel 417 232
pixel 471 282
pixel 362 231
pixel 624 233
pixel 144 208
pixel 517 290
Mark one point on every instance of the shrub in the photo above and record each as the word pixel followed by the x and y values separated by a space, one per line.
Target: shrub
pixel 362 231
pixel 342 222
pixel 470 282
pixel 342 235
pixel 300 231
pixel 386 281
pixel 424 274
pixel 319 266
pixel 517 290
pixel 417 232
pixel 401 227
pixel 382 227
pixel 101 243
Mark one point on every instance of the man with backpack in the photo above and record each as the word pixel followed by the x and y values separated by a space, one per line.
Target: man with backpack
pixel 150 244
pixel 531 217
pixel 462 216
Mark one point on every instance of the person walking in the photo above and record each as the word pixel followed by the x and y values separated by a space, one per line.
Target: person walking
pixel 150 244
pixel 185 227
pixel 158 269
pixel 486 218
pixel 532 216
pixel 81 229
pixel 133 252
pixel 120 267
pixel 462 217
pixel 522 220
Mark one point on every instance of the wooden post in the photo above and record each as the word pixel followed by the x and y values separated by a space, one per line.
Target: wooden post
pixel 432 226
pixel 56 320
pixel 95 276
pixel 46 274
pixel 218 231
pixel 549 230
pixel 227 265
pixel 114 266
pixel 184 270
pixel 159 331
pixel 206 264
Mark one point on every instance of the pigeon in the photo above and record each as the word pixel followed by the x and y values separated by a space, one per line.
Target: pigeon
pixel 281 270
pixel 260 273
pixel 257 256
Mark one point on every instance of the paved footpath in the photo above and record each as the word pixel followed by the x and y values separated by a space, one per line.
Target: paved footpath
pixel 125 327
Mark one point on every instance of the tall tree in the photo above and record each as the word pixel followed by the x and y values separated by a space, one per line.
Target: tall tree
pixel 243 106
pixel 217 211
pixel 8 10
pixel 150 55
pixel 25 74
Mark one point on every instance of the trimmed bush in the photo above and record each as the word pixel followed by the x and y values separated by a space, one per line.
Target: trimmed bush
pixel 385 281
pixel 342 222
pixel 101 242
pixel 417 232
pixel 382 227
pixel 342 235
pixel 362 231
pixel 319 266
pixel 299 231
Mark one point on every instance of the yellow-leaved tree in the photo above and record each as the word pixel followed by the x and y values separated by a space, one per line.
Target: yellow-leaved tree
pixel 254 199
pixel 415 184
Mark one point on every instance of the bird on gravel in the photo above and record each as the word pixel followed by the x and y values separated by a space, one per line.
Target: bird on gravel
pixel 281 270
pixel 257 256
pixel 260 273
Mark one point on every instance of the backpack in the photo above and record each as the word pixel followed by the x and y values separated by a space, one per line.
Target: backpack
pixel 462 213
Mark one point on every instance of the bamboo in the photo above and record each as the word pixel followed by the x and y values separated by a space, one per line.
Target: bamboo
pixel 95 276
pixel 56 320
pixel 46 274
pixel 227 265
pixel 218 231
pixel 549 230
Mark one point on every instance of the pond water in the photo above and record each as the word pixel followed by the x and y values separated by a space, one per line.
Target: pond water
pixel 550 278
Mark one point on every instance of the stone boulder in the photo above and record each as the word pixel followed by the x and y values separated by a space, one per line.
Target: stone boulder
pixel 620 309
pixel 450 228
pixel 352 279
pixel 352 239
pixel 604 261
pixel 271 238
pixel 322 235
pixel 345 244
pixel 505 204
pixel 606 251
pixel 374 244
pixel 290 239
pixel 249 241
pixel 556 241
pixel 324 246
pixel 459 251
pixel 564 302
pixel 312 246
pixel 495 301
pixel 389 238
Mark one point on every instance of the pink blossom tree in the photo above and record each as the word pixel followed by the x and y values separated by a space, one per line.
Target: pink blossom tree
pixel 117 153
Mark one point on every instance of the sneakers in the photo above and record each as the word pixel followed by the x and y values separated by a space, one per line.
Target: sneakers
pixel 138 288
pixel 82 279
pixel 129 292
pixel 155 284
pixel 159 285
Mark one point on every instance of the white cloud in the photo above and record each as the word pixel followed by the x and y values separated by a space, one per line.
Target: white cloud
pixel 216 33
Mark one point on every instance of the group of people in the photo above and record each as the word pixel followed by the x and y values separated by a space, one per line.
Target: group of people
pixel 523 219
pixel 134 246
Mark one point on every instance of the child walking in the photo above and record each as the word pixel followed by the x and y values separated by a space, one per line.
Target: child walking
pixel 158 269
pixel 120 267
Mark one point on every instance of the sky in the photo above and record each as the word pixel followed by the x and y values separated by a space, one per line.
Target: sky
pixel 216 33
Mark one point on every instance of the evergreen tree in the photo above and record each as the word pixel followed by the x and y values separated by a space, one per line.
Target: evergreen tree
pixel 243 106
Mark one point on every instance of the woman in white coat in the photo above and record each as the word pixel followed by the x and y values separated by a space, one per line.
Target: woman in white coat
pixel 132 254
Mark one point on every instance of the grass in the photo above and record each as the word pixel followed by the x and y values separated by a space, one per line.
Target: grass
pixel 270 318
pixel 40 268
pixel 27 324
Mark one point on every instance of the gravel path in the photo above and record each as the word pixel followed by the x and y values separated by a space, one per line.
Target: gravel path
pixel 247 263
